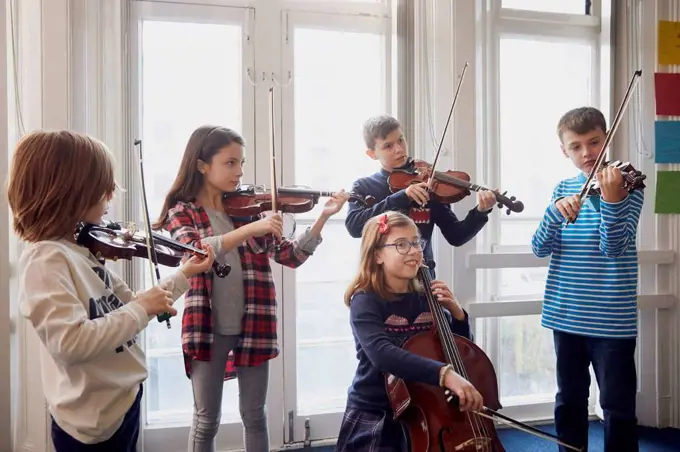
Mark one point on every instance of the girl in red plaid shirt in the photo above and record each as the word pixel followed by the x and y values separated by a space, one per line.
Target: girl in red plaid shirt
pixel 229 324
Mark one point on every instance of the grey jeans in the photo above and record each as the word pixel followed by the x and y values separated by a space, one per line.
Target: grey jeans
pixel 207 381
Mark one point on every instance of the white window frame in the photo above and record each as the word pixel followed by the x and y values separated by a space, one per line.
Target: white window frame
pixel 317 428
pixel 492 22
pixel 495 21
pixel 269 68
pixel 174 436
pixel 5 261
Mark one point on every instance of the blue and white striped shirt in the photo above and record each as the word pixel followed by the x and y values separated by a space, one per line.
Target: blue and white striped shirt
pixel 591 288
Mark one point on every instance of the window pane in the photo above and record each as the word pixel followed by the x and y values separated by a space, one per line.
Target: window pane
pixel 539 82
pixel 527 363
pixel 550 6
pixel 339 83
pixel 521 283
pixel 191 75
pixel 516 232
pixel 169 397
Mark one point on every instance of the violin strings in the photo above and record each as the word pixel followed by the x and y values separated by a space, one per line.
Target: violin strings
pixel 450 350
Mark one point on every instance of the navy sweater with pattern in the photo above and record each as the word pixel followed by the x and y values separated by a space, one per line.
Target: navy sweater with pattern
pixel 380 329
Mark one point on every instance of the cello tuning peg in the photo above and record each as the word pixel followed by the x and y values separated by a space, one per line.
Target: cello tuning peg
pixel 507 212
pixel 512 198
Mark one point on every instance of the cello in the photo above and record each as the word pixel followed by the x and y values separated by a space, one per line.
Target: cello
pixel 431 414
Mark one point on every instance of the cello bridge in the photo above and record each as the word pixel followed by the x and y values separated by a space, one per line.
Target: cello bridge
pixel 475 444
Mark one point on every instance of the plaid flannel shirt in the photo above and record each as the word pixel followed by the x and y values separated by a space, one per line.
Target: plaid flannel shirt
pixel 189 223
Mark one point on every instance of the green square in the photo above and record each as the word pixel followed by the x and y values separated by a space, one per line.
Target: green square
pixel 667 188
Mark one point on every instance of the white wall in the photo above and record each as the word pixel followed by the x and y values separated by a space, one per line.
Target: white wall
pixel 660 329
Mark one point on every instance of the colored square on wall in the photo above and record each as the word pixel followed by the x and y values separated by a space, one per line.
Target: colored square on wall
pixel 667 94
pixel 669 42
pixel 667 138
pixel 667 188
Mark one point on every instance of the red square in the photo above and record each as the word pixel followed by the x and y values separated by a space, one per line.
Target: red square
pixel 667 94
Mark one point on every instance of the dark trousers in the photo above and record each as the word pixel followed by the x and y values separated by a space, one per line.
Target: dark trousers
pixel 124 440
pixel 614 365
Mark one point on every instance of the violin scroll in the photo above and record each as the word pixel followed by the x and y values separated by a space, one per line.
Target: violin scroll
pixel 511 203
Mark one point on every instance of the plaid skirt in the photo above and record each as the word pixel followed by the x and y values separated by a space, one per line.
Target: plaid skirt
pixel 371 431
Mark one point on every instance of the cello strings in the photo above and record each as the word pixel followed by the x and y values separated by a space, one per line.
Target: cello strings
pixel 450 350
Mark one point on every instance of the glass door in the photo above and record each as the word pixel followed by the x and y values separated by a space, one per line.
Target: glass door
pixel 190 67
pixel 339 77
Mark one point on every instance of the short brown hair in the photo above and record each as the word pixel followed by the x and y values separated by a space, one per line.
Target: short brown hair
pixel 371 277
pixel 378 127
pixel 581 120
pixel 55 178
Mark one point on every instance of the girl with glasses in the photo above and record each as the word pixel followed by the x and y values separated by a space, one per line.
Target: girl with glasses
pixel 387 307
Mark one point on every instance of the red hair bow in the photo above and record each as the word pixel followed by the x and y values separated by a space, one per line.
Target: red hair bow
pixel 383 227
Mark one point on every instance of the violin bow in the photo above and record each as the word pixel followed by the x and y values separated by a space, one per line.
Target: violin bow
pixel 608 138
pixel 150 244
pixel 272 151
pixel 496 416
pixel 448 120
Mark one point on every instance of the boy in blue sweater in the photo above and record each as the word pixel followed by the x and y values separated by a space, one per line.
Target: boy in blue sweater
pixel 386 309
pixel 590 299
pixel 386 143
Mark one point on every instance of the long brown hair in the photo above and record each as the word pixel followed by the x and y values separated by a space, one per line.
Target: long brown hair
pixel 55 178
pixel 203 144
pixel 371 276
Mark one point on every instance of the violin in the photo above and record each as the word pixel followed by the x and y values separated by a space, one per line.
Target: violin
pixel 252 200
pixel 447 186
pixel 431 414
pixel 111 241
pixel 632 178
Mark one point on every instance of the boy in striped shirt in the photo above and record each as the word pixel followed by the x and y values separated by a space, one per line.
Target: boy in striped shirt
pixel 590 299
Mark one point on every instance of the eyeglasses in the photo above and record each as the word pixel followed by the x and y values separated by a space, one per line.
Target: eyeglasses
pixel 403 246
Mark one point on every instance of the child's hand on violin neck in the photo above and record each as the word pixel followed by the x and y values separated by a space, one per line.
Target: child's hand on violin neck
pixel 156 301
pixel 271 223
pixel 486 200
pixel 418 193
pixel 335 203
pixel 447 300
pixel 199 264
pixel 569 206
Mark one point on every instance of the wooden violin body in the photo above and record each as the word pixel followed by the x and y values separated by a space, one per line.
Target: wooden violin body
pixel 113 242
pixel 447 186
pixel 435 424
pixel 252 200
pixel 441 192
